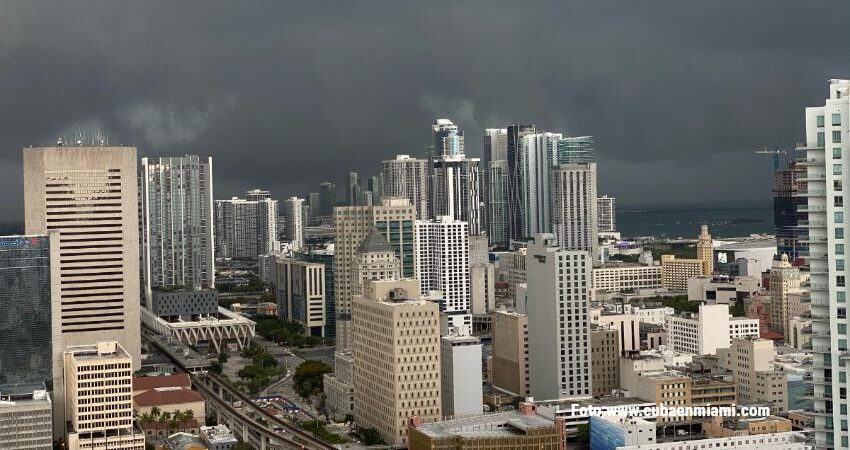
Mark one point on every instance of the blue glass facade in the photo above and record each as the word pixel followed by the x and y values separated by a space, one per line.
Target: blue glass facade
pixel 605 435
pixel 25 342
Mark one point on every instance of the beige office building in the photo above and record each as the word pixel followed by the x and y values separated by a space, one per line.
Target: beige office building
pixel 784 280
pixel 756 381
pixel 89 195
pixel 605 360
pixel 99 401
pixel 509 352
pixel 394 219
pixel 676 271
pixel 396 345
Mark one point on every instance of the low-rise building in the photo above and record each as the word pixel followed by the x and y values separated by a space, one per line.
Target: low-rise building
pixel 751 361
pixel 521 429
pixel 339 386
pixel 218 437
pixel 715 289
pixel 628 330
pixel 776 441
pixel 575 411
pixel 712 328
pixel 624 277
pixel 26 417
pixel 719 427
pixel 676 271
pixel 615 431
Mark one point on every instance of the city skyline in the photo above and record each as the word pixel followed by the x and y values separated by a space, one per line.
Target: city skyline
pixel 264 89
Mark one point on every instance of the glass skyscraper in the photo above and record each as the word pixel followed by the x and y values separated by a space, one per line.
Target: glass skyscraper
pixel 576 150
pixel 25 316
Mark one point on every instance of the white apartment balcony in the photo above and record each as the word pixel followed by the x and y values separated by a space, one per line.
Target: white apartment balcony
pixel 811 161
pixel 813 177
pixel 806 192
pixel 811 224
pixel 811 208
pixel 810 255
pixel 813 239
pixel 804 147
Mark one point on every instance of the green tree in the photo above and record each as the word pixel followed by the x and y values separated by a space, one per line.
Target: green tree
pixel 583 433
pixel 222 358
pixel 371 436
pixel 242 446
pixel 156 413
pixel 308 378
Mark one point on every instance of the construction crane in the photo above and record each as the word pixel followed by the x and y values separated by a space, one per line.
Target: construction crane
pixel 775 152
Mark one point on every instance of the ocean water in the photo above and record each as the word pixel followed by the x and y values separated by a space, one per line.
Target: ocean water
pixel 724 219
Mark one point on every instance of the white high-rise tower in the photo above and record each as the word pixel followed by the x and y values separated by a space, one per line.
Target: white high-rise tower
pixel 558 318
pixel 827 139
pixel 177 222
pixel 574 206
pixel 442 264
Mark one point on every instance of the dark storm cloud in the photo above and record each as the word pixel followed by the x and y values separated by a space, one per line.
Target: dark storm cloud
pixel 285 95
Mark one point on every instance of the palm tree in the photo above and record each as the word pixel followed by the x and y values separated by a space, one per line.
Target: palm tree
pixel 156 413
pixel 188 415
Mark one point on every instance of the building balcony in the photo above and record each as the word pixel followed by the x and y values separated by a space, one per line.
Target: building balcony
pixel 813 177
pixel 810 192
pixel 804 147
pixel 811 209
pixel 810 255
pixel 821 380
pixel 813 240
pixel 819 286
pixel 810 161
pixel 811 224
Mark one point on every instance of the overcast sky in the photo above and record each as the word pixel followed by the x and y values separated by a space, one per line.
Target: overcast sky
pixel 285 95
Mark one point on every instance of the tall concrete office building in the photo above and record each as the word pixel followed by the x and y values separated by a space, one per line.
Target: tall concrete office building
pixel 827 153
pixel 455 180
pixel 606 210
pixel 246 227
pixel 537 157
pixel 784 279
pixel 705 250
pixel 516 213
pixel 89 195
pixel 461 382
pixel 509 354
pixel 178 246
pixel 482 277
pixel 293 228
pixel 558 317
pixel 396 344
pixel 442 264
pixel 300 287
pixel 394 219
pixel 26 328
pixel 574 212
pixel 407 177
pixel 494 185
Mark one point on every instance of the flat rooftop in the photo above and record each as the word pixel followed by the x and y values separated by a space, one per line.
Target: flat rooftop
pixel 749 244
pixel 503 424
